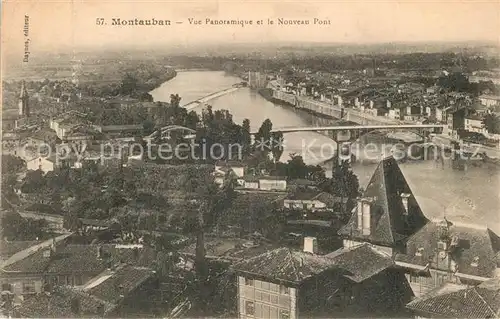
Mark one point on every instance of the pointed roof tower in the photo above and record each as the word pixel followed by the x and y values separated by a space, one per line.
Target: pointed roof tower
pixel 394 212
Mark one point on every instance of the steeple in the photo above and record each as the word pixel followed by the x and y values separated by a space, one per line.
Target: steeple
pixel 388 212
pixel 24 101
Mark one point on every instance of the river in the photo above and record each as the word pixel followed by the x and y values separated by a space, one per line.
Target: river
pixel 470 196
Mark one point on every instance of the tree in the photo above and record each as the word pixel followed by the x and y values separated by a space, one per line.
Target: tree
pixel 492 123
pixel 277 145
pixel 211 198
pixel 344 182
pixel 14 227
pixel 246 139
pixel 33 181
pixel 264 132
pixel 128 85
pixel 455 81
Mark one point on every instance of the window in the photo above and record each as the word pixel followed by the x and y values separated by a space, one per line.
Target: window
pixel 28 287
pixel 249 308
pixel 284 314
pixel 413 277
pixel 249 282
pixel 284 290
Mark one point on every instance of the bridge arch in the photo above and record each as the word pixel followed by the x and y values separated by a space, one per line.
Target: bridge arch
pixel 358 131
pixel 165 131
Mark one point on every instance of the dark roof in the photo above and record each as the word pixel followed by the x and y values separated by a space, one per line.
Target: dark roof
pixel 272 178
pixel 120 284
pixel 10 114
pixel 330 199
pixel 482 301
pixel 388 225
pixel 106 292
pixel 357 264
pixel 44 134
pixel 302 194
pixel 58 304
pixel 473 242
pixel 9 248
pixel 302 182
pixel 361 262
pixel 285 264
pixel 81 258
pixel 95 222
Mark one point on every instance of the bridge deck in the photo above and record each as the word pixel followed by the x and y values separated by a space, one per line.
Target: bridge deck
pixel 352 127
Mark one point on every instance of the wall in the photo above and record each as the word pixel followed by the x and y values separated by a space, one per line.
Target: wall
pixel 40 163
pixel 17 282
pixel 303 204
pixel 422 283
pixel 272 184
pixel 269 300
pixel 347 243
pixel 327 108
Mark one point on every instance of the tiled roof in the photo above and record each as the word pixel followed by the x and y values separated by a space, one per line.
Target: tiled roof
pixel 285 264
pixel 302 194
pixel 121 283
pixel 473 242
pixel 357 264
pixel 93 302
pixel 482 301
pixel 80 258
pixel 361 262
pixel 30 252
pixel 387 223
pixel 9 248
pixel 58 304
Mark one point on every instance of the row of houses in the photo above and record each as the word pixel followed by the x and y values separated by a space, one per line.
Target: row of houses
pixel 393 259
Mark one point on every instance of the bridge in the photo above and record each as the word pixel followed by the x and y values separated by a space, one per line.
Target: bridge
pixel 344 136
pixel 167 130
pixel 194 104
pixel 362 128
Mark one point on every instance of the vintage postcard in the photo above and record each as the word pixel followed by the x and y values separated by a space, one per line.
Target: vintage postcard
pixel 250 159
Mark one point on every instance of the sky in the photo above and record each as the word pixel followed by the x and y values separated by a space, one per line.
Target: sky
pixel 62 24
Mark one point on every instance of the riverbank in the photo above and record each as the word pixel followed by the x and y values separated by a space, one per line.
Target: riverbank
pixel 267 94
pixel 155 83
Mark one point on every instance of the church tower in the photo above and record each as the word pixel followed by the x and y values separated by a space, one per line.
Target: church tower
pixel 24 109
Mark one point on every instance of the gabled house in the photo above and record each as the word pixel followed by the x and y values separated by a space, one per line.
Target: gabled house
pixel 455 301
pixel 387 214
pixel 55 263
pixel 287 283
pixel 113 293
pixel 304 199
pixel 444 251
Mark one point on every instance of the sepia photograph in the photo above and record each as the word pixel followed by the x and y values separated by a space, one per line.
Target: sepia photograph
pixel 250 159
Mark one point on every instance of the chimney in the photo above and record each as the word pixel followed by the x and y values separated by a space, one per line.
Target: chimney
pixel 310 245
pixel 404 199
pixel 366 217
pixel 360 214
